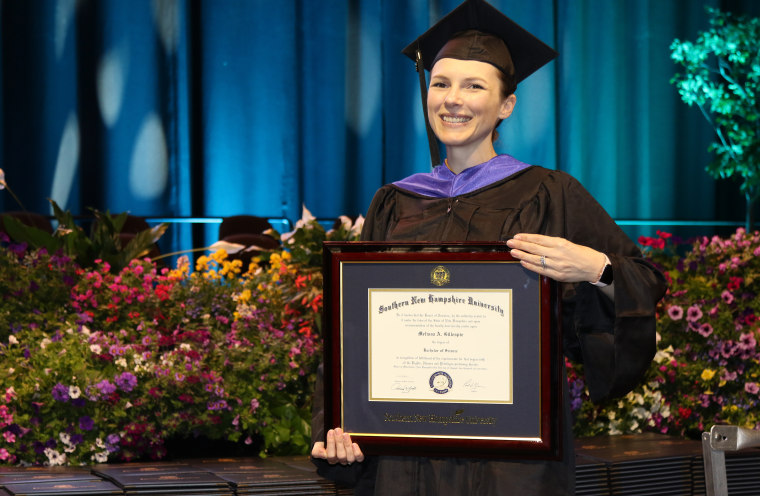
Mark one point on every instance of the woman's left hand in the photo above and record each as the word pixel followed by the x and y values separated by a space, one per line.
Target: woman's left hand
pixel 557 258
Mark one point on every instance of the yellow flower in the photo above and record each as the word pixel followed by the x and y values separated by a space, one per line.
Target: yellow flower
pixel 202 263
pixel 245 296
pixel 707 374
pixel 231 268
pixel 219 255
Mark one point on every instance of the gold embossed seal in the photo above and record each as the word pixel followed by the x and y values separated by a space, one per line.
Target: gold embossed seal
pixel 440 276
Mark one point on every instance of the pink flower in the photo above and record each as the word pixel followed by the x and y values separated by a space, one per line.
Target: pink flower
pixel 728 376
pixel 694 313
pixel 705 329
pixel 4 455
pixel 675 312
pixel 727 297
pixel 751 387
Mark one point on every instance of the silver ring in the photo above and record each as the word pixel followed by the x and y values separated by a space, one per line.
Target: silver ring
pixel 543 262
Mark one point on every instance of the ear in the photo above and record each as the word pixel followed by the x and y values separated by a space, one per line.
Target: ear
pixel 507 106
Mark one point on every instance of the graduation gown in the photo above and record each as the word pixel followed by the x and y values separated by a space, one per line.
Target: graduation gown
pixel 614 341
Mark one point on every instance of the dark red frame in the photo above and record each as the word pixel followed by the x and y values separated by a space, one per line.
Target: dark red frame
pixel 549 446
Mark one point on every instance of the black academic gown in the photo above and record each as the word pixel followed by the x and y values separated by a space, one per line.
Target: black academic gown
pixel 614 341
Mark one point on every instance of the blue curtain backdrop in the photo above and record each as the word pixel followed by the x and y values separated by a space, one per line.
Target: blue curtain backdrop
pixel 210 108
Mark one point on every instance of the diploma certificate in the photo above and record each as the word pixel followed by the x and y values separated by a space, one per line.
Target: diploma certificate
pixel 429 345
pixel 448 349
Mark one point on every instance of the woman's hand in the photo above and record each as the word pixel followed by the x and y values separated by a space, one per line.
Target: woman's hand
pixel 338 448
pixel 557 258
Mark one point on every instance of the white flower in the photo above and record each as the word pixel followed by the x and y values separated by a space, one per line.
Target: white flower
pixel 69 331
pixel 54 458
pixel 345 222
pixel 11 370
pixel 357 229
pixel 85 330
pixel 96 348
pixel 230 248
pixel 75 392
pixel 65 438
pixel 128 405
pixel 12 339
pixel 121 362
pixel 100 457
pixel 184 346
pixel 99 443
pixel 44 343
pixel 303 223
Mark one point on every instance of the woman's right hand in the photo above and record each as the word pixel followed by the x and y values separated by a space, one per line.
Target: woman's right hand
pixel 338 448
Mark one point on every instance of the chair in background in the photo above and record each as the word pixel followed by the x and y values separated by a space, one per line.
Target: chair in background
pixel 247 230
pixel 715 443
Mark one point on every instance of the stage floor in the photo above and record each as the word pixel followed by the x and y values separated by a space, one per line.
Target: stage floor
pixel 642 465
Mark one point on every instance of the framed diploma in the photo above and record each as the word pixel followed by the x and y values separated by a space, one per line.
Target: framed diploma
pixel 448 349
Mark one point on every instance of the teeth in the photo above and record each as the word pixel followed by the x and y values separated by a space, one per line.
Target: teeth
pixel 448 118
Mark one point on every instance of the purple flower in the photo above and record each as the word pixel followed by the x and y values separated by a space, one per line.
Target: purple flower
pixel 105 387
pixel 86 423
pixel 112 443
pixel 126 381
pixel 694 313
pixel 675 312
pixel 61 392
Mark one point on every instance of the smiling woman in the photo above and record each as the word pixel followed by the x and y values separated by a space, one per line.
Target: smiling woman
pixel 476 56
pixel 465 104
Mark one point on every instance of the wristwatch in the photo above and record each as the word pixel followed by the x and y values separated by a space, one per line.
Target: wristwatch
pixel 607 275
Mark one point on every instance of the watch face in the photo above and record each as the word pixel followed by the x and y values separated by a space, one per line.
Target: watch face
pixel 606 275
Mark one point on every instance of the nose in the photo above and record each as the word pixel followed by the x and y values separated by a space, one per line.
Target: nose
pixel 454 96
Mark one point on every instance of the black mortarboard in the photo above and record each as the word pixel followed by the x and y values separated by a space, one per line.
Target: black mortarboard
pixel 460 32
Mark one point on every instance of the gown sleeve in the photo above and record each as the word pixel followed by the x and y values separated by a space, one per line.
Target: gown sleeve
pixel 379 215
pixel 615 341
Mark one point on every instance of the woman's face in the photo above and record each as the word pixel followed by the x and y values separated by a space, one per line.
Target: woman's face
pixel 465 102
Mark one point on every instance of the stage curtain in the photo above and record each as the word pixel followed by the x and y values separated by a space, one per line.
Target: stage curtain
pixel 209 108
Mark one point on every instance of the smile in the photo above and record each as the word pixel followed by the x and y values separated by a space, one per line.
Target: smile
pixel 454 119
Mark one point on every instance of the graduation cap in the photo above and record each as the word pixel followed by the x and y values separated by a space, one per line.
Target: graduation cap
pixel 477 31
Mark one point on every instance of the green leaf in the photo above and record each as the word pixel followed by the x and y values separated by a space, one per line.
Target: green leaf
pixel 36 238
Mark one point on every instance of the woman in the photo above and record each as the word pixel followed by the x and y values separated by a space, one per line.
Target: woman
pixel 552 225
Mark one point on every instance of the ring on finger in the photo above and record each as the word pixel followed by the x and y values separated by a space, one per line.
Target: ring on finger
pixel 543 262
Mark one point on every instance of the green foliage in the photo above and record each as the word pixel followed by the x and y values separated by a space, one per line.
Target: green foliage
pixel 103 243
pixel 97 365
pixel 722 78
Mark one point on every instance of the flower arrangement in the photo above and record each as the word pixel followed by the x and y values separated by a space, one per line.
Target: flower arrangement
pixel 707 367
pixel 99 365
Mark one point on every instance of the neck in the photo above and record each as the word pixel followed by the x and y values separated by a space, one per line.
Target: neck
pixel 457 159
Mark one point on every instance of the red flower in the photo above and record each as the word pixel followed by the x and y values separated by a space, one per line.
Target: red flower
pixel 734 283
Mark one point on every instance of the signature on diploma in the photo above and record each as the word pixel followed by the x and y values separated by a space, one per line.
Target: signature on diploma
pixel 404 384
pixel 472 385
